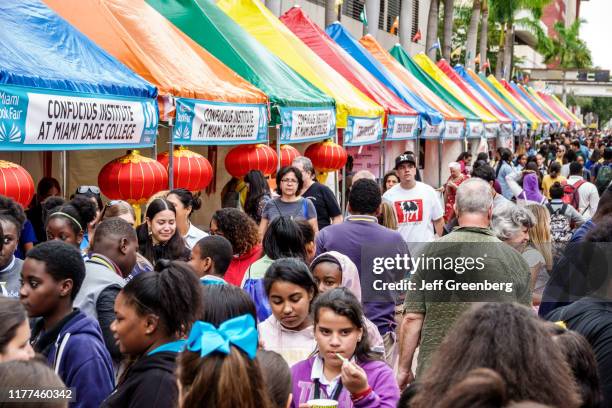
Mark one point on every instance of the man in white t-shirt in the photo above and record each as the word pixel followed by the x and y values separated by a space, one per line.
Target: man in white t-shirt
pixel 588 196
pixel 418 209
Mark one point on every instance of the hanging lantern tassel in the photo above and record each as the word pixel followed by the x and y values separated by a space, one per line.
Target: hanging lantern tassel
pixel 137 215
pixel 322 176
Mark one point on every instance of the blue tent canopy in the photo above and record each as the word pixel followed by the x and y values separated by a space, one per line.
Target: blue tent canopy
pixel 460 69
pixel 341 36
pixel 58 90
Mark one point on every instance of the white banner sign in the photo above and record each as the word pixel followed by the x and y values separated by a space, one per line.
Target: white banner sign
pixel 491 130
pixel 302 125
pixel 362 131
pixel 222 122
pixel 432 131
pixel 401 127
pixel 474 129
pixel 454 130
pixel 67 120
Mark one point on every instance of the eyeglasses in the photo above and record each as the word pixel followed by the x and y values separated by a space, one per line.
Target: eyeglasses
pixel 88 189
pixel 289 181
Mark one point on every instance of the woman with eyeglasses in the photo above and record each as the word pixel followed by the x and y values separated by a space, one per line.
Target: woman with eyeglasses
pixel 158 237
pixel 289 203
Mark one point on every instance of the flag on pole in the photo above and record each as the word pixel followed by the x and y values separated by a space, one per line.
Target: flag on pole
pixel 363 17
pixel 417 36
pixel 395 25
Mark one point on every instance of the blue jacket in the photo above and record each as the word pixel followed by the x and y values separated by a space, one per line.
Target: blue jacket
pixel 81 359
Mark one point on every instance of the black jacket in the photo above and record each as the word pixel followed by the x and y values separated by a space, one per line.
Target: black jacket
pixel 150 382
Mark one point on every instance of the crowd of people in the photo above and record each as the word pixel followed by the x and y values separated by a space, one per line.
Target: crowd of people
pixel 271 304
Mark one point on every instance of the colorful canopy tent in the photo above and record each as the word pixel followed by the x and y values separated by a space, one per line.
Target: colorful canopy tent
pixel 555 121
pixel 517 95
pixel 401 119
pixel 525 123
pixel 471 78
pixel 566 110
pixel 66 98
pixel 432 121
pixel 505 122
pixel 474 125
pixel 563 122
pixel 214 104
pixel 305 112
pixel 356 113
pixel 558 107
pixel 491 124
pixel 499 88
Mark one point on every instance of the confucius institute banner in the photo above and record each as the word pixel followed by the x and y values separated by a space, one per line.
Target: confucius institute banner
pixel 37 119
pixel 219 123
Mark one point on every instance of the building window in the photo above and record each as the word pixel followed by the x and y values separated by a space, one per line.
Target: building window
pixel 415 18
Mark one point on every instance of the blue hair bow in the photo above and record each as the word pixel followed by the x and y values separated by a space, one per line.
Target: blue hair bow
pixel 239 331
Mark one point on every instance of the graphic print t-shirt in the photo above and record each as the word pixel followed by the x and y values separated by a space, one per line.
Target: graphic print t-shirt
pixel 415 209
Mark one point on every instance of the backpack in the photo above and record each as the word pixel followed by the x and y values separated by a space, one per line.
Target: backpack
pixel 560 228
pixel 570 194
pixel 604 177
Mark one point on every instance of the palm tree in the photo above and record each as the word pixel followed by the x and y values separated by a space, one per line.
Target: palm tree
pixel 448 28
pixel 484 27
pixel 504 12
pixel 432 28
pixel 567 50
pixel 470 45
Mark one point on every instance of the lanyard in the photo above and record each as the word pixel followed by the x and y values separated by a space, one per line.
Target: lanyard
pixel 334 396
pixel 175 347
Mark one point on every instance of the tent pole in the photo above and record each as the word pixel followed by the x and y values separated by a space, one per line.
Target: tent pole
pixel 155 144
pixel 440 161
pixel 278 147
pixel 64 174
pixel 381 170
pixel 336 181
pixel 343 182
pixel 170 156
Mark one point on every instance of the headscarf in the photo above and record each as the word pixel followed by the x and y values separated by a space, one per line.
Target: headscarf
pixel 531 189
pixel 350 275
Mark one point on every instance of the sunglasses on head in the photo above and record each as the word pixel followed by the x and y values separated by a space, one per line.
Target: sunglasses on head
pixel 88 189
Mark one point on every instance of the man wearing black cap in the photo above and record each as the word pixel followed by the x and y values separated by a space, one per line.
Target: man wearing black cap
pixel 418 209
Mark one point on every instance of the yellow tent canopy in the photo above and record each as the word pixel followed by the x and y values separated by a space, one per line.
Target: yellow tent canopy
pixel 256 19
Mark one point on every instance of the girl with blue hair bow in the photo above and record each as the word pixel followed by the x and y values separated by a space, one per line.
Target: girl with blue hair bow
pixel 218 367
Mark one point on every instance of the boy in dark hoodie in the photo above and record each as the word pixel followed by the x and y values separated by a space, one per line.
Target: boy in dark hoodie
pixel 72 342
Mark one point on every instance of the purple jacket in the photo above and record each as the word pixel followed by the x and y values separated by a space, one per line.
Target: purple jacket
pixel 385 392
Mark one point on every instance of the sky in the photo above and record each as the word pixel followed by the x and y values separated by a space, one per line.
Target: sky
pixel 597 31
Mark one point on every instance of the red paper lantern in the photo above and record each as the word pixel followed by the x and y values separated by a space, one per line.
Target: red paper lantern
pixel 243 158
pixel 326 156
pixel 16 183
pixel 133 178
pixel 287 154
pixel 192 171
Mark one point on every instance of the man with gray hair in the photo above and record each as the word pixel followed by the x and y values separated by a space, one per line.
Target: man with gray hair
pixel 326 204
pixel 440 291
